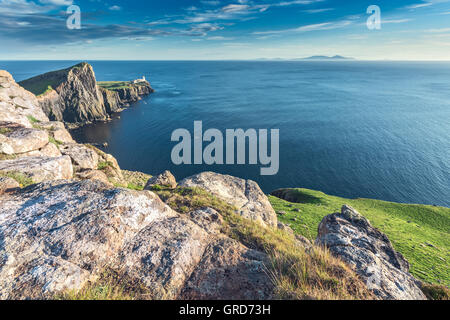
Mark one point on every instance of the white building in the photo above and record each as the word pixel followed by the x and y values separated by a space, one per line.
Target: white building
pixel 140 80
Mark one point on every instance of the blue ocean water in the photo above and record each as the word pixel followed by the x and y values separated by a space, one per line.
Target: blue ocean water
pixel 351 128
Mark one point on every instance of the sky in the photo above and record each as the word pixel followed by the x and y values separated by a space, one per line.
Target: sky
pixel 223 29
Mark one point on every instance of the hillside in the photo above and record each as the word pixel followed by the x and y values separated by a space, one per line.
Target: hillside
pixel 421 233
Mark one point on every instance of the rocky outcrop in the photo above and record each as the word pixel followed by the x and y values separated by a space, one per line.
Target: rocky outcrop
pixel 72 95
pixel 111 100
pixel 246 195
pixel 351 237
pixel 165 179
pixel 134 92
pixel 40 169
pixel 77 97
pixel 83 158
pixel 59 236
pixel 17 105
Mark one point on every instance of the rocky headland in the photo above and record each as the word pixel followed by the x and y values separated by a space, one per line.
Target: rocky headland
pixel 73 95
pixel 72 221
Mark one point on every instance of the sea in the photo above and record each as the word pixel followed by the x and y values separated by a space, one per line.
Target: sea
pixel 355 129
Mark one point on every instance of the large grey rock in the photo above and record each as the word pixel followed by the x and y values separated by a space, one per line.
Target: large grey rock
pixel 58 236
pixel 351 237
pixel 165 179
pixel 228 270
pixel 244 194
pixel 22 140
pixel 40 168
pixel 82 157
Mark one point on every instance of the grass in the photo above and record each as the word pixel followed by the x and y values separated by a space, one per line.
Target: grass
pixel 4 156
pixel 33 120
pixel 23 180
pixel 436 292
pixel 5 130
pixel 421 233
pixel 295 272
pixel 102 165
pixel 44 83
pixel 54 141
pixel 135 180
pixel 111 285
pixel 114 85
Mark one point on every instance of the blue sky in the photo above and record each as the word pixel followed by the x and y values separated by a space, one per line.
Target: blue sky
pixel 213 29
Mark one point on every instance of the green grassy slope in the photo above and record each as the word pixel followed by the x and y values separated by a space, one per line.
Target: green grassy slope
pixel 46 82
pixel 114 85
pixel 411 228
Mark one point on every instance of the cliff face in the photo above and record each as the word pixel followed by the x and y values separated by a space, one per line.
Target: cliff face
pixel 134 92
pixel 73 96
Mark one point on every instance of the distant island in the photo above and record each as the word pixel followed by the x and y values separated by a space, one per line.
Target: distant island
pixel 328 58
pixel 337 57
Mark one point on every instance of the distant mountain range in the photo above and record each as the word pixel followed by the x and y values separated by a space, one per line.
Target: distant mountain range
pixel 336 57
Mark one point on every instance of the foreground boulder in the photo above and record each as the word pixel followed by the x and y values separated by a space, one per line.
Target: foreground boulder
pixel 59 236
pixel 351 237
pixel 246 195
pixel 40 169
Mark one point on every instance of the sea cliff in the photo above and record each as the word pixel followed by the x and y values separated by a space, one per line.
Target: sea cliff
pixel 73 96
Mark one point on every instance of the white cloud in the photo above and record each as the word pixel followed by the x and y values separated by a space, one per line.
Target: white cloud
pixel 115 8
pixel 384 21
pixel 220 38
pixel 419 5
pixel 235 8
pixel 441 30
pixel 310 27
pixel 57 2
pixel 319 10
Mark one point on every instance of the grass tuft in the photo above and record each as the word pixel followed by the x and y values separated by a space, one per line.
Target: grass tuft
pixel 54 141
pixel 436 292
pixel 33 120
pixel 5 130
pixel 22 179
pixel 111 285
